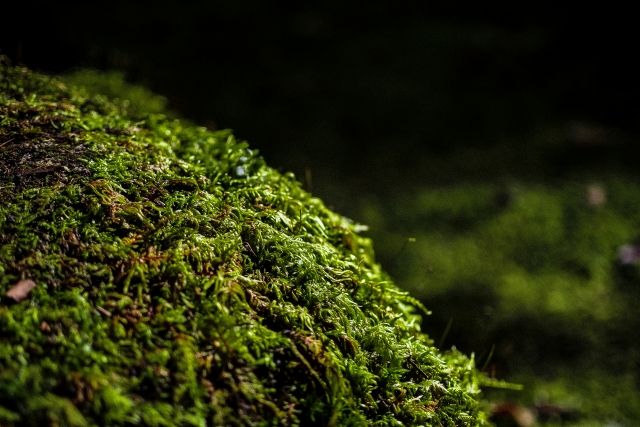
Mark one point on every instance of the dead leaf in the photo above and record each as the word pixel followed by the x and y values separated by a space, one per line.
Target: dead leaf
pixel 20 290
pixel 508 413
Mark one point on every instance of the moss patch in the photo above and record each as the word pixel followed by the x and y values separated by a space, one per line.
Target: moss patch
pixel 180 281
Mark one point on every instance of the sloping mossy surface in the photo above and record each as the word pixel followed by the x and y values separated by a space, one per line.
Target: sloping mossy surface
pixel 179 281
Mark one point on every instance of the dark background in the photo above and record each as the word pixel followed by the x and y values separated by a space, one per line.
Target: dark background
pixel 368 98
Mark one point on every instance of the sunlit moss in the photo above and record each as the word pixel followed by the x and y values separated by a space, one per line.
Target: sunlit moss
pixel 180 281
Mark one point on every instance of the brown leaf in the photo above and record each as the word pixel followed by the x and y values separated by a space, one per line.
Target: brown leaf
pixel 20 290
pixel 44 327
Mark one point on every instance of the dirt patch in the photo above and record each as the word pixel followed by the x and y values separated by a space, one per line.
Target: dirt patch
pixel 34 153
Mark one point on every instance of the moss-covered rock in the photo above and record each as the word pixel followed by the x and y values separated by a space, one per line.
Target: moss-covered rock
pixel 154 273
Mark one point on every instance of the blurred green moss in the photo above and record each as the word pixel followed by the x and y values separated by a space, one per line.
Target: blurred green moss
pixel 135 99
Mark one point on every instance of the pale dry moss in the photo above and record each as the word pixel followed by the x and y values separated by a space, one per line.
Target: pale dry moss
pixel 182 282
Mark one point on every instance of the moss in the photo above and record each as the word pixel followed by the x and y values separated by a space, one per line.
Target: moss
pixel 180 281
pixel 535 271
pixel 137 100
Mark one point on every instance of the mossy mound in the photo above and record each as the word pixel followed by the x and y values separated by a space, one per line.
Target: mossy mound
pixel 180 281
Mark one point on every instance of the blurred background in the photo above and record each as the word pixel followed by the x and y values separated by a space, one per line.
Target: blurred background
pixel 492 150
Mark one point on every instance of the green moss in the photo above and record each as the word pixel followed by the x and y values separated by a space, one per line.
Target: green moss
pixel 180 281
pixel 533 270
pixel 137 100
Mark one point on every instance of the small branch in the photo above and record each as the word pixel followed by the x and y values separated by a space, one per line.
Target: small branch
pixel 6 142
pixel 415 365
pixel 103 311
pixel 42 170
